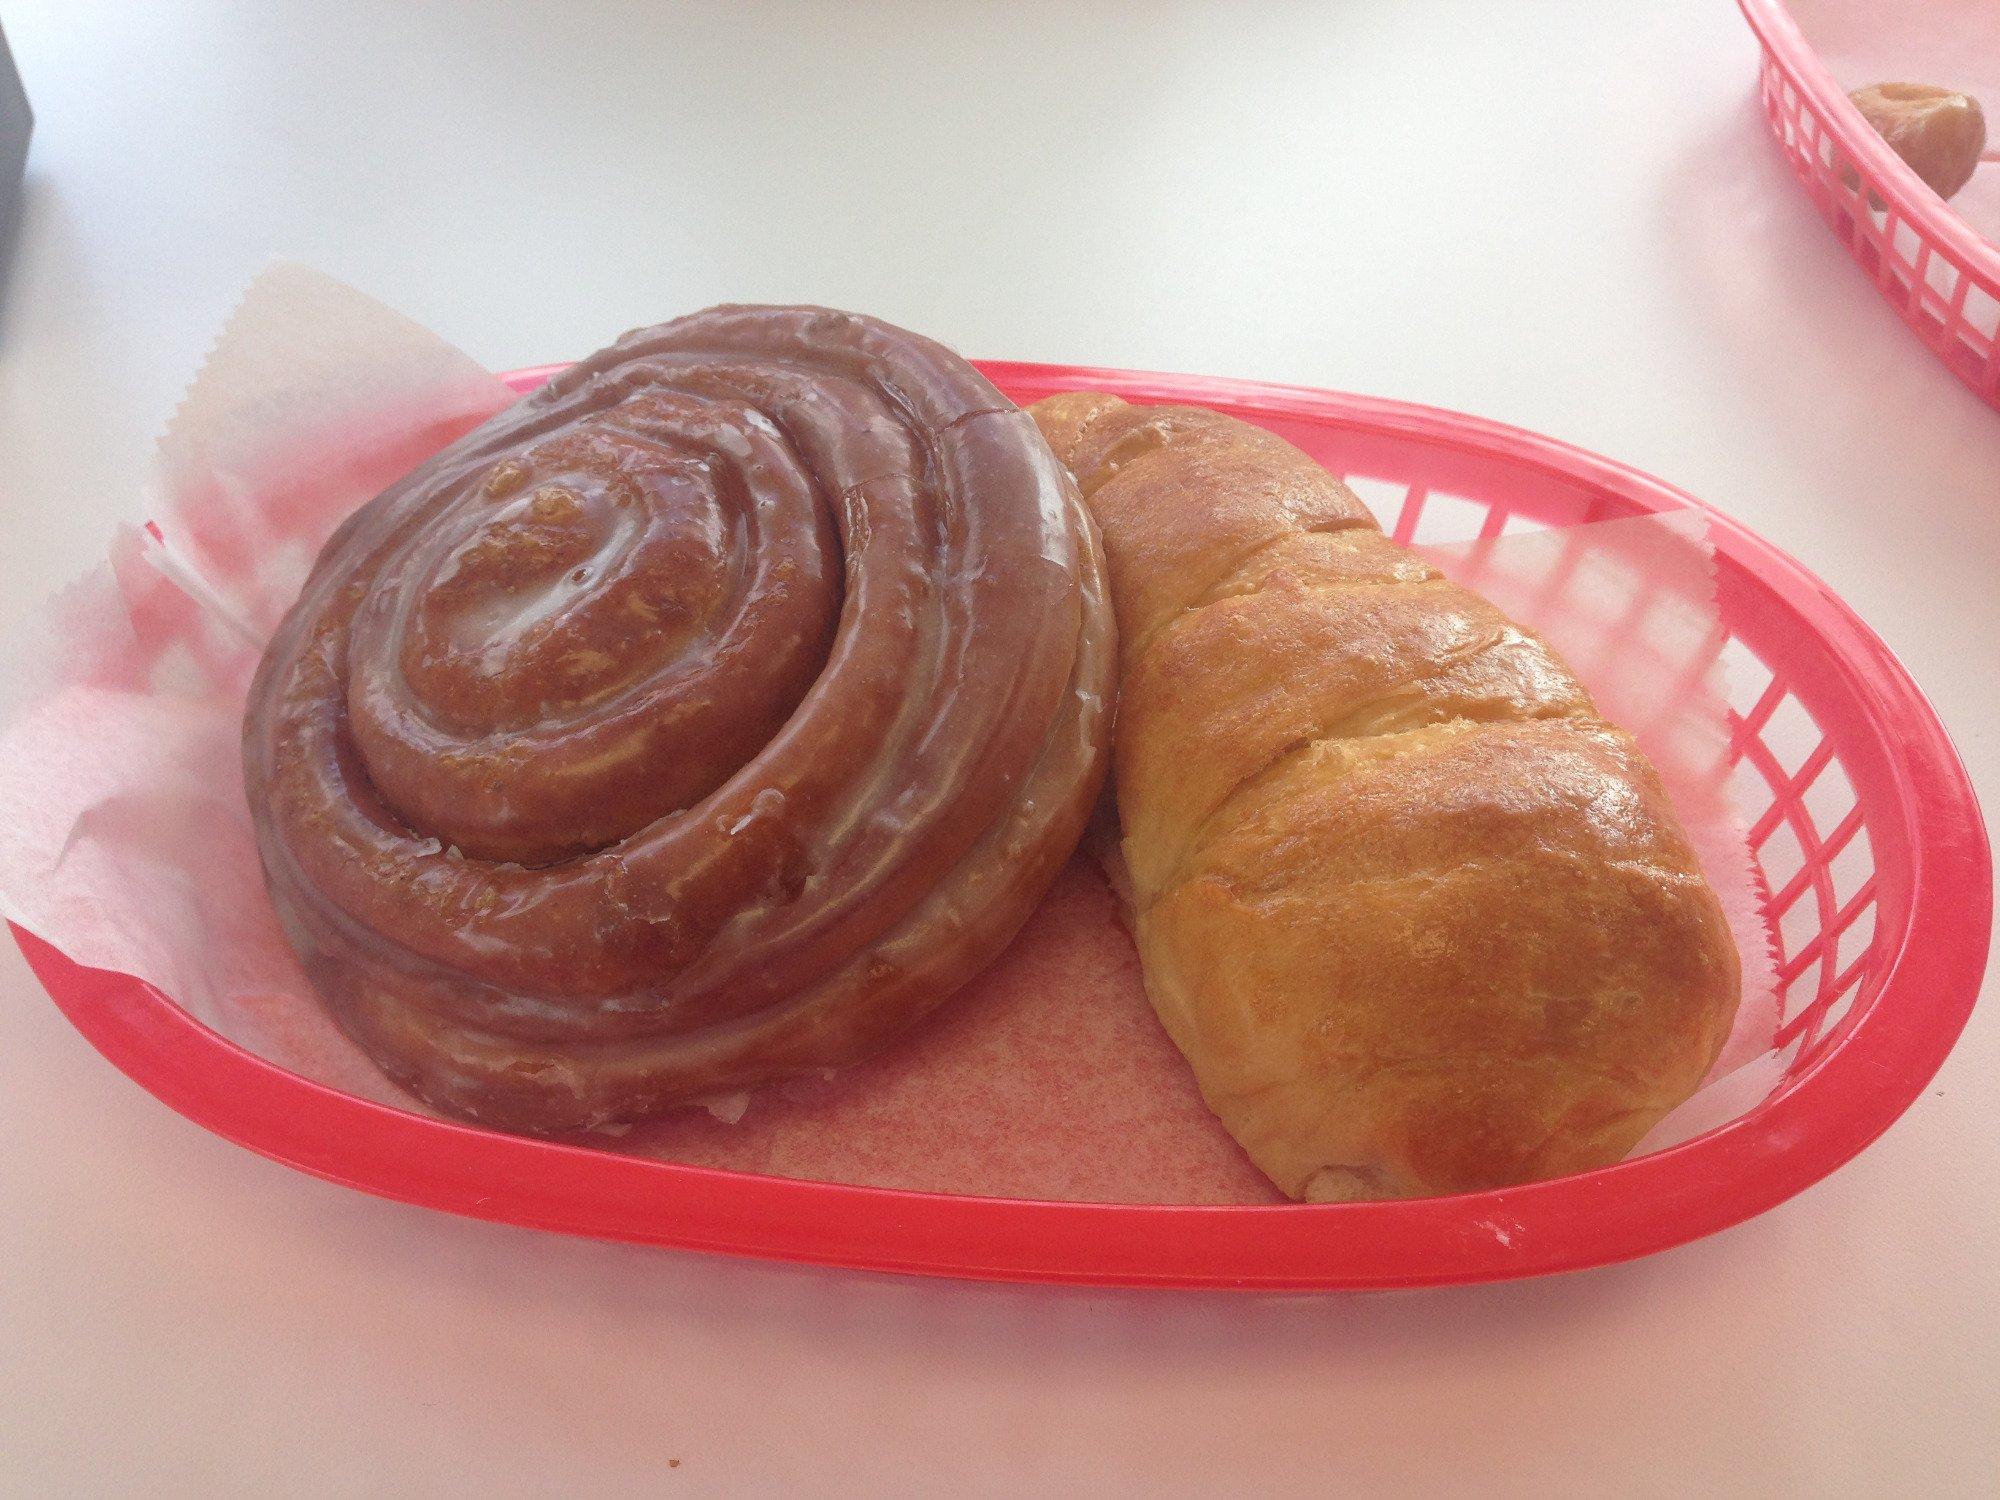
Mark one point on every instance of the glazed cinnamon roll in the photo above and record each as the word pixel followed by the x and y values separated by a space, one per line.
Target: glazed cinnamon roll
pixel 708 716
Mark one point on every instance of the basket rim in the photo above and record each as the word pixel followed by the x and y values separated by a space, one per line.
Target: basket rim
pixel 1834 1107
pixel 1887 173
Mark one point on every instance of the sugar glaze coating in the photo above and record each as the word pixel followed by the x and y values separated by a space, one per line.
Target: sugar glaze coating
pixel 708 716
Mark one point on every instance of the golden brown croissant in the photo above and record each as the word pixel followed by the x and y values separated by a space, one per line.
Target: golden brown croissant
pixel 708 715
pixel 1421 921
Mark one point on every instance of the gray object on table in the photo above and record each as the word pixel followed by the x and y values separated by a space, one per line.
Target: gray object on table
pixel 16 122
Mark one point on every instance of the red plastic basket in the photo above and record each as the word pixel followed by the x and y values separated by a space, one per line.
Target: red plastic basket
pixel 1866 828
pixel 1938 272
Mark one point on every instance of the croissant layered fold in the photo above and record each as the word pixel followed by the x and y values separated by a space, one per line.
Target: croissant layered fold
pixel 1421 921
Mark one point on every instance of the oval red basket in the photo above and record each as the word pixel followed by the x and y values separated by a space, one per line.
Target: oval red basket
pixel 1939 273
pixel 1866 828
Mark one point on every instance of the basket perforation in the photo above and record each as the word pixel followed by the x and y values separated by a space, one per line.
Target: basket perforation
pixel 1820 852
pixel 1783 897
pixel 1412 511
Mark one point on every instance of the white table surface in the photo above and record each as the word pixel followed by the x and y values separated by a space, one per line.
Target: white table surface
pixel 1564 215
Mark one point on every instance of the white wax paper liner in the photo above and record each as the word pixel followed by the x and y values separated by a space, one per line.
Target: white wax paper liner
pixel 126 841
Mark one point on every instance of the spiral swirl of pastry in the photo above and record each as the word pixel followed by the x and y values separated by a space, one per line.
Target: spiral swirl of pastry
pixel 707 716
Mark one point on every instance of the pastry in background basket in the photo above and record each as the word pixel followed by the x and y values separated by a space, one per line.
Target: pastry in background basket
pixel 1421 921
pixel 705 717
pixel 1938 132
